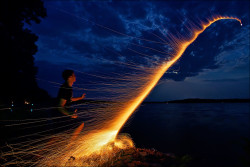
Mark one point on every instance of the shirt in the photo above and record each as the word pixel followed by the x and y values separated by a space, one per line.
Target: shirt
pixel 65 92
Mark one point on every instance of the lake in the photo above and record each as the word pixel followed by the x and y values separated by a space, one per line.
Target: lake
pixel 211 133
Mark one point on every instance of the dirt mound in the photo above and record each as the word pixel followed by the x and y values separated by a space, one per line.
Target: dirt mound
pixel 135 157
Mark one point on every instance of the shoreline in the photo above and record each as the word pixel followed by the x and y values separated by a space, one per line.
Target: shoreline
pixel 197 100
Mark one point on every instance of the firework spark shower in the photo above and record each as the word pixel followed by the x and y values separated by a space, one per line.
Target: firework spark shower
pixel 96 141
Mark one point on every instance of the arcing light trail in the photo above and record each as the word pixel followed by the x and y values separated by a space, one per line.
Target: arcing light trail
pixel 181 47
pixel 109 132
pixel 102 141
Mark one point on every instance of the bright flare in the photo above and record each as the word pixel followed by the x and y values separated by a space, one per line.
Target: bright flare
pixel 181 46
pixel 104 141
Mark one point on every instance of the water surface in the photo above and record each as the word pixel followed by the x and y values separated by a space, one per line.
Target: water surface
pixel 212 133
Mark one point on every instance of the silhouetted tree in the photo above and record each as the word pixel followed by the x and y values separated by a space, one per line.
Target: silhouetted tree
pixel 17 70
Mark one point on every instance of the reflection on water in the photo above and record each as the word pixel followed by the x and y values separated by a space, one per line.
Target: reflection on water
pixel 212 133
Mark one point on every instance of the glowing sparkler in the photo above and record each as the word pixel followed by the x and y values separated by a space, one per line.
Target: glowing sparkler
pixel 181 46
pixel 109 133
pixel 102 143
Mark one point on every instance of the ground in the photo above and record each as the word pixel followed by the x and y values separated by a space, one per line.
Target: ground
pixel 135 157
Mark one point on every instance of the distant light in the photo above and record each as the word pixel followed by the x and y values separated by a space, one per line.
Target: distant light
pixel 32 104
pixel 31 110
pixel 26 102
pixel 241 24
pixel 12 105
pixel 11 110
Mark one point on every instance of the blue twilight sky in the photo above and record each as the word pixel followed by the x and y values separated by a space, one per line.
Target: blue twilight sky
pixel 91 36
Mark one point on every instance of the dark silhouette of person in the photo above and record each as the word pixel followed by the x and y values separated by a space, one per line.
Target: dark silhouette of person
pixel 65 94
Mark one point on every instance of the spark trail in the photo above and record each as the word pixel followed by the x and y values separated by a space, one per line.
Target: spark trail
pixel 102 141
pixel 181 46
pixel 97 141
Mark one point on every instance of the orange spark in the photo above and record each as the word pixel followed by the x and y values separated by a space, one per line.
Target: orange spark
pixel 97 142
pixel 77 131
pixel 108 134
pixel 182 45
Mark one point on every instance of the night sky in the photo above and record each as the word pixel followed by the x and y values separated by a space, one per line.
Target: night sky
pixel 76 35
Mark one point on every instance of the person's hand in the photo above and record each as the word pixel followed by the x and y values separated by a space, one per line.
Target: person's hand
pixel 75 114
pixel 83 95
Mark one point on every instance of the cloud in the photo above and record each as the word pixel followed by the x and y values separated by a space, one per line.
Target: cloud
pixel 73 33
pixel 227 80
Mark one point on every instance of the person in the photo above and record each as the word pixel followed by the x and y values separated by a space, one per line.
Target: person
pixel 65 94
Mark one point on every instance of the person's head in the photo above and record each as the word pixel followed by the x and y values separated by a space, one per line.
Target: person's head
pixel 69 75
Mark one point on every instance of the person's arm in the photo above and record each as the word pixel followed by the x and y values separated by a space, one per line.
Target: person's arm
pixel 78 98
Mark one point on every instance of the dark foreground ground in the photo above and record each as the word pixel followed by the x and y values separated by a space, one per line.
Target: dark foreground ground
pixel 138 157
pixel 135 157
